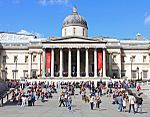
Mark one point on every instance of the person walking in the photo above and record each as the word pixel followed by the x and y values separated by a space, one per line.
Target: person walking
pixel 66 99
pixel 124 102
pixel 61 100
pixel 120 101
pixel 131 103
pixel 32 99
pixel 69 102
pixel 23 100
pixel 92 99
pixel 98 101
pixel 42 97
pixel 139 103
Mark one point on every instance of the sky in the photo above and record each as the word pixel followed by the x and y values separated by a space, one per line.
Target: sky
pixel 115 18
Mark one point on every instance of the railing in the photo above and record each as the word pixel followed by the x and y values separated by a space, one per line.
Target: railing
pixel 7 96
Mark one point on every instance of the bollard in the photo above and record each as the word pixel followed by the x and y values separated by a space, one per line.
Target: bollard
pixel 1 102
pixel 7 96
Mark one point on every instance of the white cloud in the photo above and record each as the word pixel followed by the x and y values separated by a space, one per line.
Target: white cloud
pixel 29 33
pixel 147 19
pixel 53 2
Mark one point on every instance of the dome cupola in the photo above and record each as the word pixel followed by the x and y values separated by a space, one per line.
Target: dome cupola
pixel 74 25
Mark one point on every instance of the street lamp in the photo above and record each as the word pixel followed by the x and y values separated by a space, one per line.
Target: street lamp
pixel 15 67
pixel 5 74
pixel 141 76
pixel 131 59
pixel 138 72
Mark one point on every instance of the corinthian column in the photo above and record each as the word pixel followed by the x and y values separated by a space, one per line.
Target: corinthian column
pixel 69 62
pixel 52 62
pixel 30 65
pixel 95 62
pixel 44 62
pixel 87 62
pixel 104 63
pixel 61 63
pixel 39 62
pixel 78 62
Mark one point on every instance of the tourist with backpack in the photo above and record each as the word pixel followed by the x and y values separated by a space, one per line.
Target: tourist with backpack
pixel 139 102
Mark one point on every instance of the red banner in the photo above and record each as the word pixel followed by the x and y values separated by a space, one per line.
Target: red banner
pixel 100 60
pixel 48 61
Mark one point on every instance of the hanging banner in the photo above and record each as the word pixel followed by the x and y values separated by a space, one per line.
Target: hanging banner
pixel 100 60
pixel 48 61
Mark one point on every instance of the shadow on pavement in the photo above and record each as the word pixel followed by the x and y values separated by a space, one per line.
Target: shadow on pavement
pixel 10 103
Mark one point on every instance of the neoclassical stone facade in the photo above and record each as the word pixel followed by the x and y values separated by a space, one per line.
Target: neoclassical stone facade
pixel 74 55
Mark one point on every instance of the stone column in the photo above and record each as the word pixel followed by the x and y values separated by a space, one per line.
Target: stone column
pixel 78 62
pixel 95 62
pixel 39 62
pixel 44 62
pixel 110 64
pixel 61 63
pixel 30 65
pixel 104 63
pixel 148 68
pixel 0 66
pixel 52 62
pixel 119 64
pixel 69 62
pixel 87 62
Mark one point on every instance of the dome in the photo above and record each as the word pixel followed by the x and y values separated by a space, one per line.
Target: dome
pixel 74 19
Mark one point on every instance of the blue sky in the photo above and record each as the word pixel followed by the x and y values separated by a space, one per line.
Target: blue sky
pixel 116 18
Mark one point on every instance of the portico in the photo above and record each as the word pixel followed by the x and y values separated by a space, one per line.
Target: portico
pixel 64 58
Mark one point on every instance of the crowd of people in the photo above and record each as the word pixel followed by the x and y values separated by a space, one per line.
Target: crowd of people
pixel 119 92
pixel 28 93
pixel 123 96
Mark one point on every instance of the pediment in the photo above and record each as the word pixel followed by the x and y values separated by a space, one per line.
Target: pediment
pixel 76 39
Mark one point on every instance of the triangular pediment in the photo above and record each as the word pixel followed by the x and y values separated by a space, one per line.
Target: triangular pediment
pixel 75 39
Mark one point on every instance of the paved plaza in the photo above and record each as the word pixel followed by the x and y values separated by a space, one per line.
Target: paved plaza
pixel 80 109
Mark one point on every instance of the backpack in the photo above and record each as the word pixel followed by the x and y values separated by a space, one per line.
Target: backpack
pixel 29 98
pixel 139 100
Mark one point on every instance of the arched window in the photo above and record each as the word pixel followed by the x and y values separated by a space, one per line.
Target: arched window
pixel 74 31
pixel 83 32
pixel 65 32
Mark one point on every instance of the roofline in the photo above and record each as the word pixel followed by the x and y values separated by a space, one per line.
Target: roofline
pixel 19 33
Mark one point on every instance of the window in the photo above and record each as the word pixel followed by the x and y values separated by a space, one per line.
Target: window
pixel 144 59
pixel 4 59
pixel 114 58
pixel 15 59
pixel 122 59
pixel 26 59
pixel 83 32
pixel 74 31
pixel 25 73
pixel 34 58
pixel 34 73
pixel 145 72
pixel 134 74
pixel 133 58
pixel 15 74
pixel 123 73
pixel 115 73
pixel 65 32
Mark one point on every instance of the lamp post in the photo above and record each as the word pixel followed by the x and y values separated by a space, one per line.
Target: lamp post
pixel 5 74
pixel 131 59
pixel 141 76
pixel 138 72
pixel 15 67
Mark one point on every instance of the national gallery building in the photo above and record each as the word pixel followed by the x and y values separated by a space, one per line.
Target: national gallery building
pixel 74 55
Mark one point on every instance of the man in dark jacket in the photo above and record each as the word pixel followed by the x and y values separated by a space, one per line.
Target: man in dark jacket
pixel 139 102
pixel 61 100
